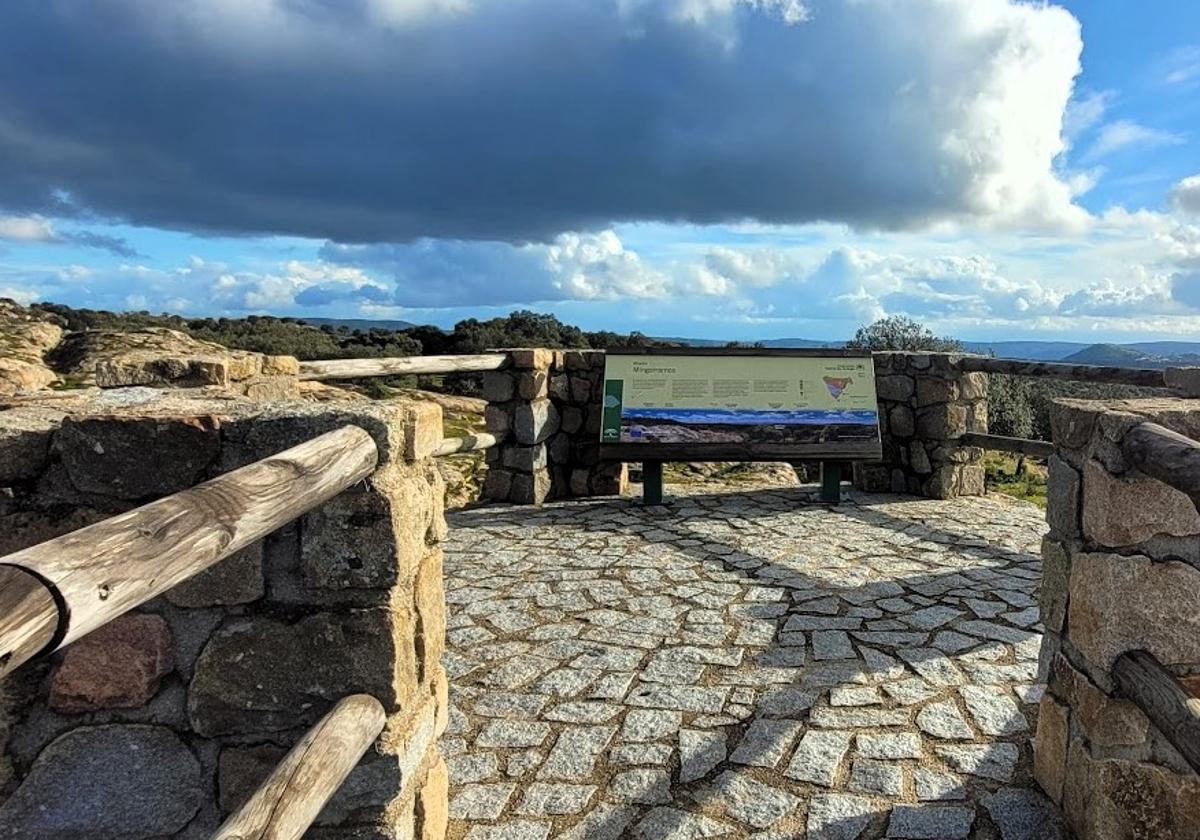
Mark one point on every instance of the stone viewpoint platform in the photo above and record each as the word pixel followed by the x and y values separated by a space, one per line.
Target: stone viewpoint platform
pixel 746 664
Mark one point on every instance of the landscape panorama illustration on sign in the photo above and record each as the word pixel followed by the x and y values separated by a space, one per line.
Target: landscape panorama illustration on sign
pixel 742 399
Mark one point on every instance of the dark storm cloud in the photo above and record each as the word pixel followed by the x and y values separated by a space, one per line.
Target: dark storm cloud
pixel 388 120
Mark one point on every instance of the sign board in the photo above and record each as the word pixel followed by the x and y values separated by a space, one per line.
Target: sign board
pixel 723 404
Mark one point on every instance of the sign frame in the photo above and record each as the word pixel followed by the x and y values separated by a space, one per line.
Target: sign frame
pixel 652 455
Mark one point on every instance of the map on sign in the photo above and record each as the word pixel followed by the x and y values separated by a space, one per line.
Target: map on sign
pixel 739 399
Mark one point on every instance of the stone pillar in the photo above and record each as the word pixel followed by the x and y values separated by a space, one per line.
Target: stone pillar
pixel 925 403
pixel 545 408
pixel 165 720
pixel 1120 572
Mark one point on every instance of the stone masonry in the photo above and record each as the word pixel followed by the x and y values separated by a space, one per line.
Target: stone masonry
pixel 926 402
pixel 545 408
pixel 162 722
pixel 1121 572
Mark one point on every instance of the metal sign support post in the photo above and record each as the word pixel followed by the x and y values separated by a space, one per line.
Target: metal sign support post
pixel 831 482
pixel 652 483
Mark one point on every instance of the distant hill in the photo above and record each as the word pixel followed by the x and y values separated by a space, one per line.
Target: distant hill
pixel 364 324
pixel 1130 355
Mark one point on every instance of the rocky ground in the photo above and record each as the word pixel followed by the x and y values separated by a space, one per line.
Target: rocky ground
pixel 745 665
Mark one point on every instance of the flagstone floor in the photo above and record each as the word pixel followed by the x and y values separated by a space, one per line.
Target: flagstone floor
pixel 745 664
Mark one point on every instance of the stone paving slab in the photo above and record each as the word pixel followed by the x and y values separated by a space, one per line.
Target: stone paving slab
pixel 749 664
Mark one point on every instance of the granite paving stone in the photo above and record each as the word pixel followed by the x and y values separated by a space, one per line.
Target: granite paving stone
pixel 744 664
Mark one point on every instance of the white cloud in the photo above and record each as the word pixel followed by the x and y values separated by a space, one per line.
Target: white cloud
pixel 1126 134
pixel 1182 66
pixel 1185 196
pixel 26 229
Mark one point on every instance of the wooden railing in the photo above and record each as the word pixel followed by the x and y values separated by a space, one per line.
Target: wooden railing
pixel 470 443
pixel 1143 377
pixel 401 366
pixel 286 804
pixel 1139 377
pixel 1173 459
pixel 57 591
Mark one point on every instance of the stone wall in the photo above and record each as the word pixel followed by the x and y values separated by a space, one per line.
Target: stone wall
pixel 925 403
pixel 545 409
pixel 1121 571
pixel 165 720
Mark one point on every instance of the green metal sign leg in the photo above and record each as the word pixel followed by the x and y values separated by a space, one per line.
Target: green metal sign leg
pixel 831 482
pixel 652 483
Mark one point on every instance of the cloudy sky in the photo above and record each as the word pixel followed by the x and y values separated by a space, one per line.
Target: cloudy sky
pixel 720 168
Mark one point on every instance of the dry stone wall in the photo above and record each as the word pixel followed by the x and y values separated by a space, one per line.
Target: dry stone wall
pixel 1121 572
pixel 545 410
pixel 926 402
pixel 196 696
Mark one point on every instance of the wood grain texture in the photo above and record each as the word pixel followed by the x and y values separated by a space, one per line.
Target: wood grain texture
pixel 1159 695
pixel 1000 443
pixel 29 617
pixel 1172 458
pixel 469 443
pixel 1146 377
pixel 106 569
pixel 701 452
pixel 400 366
pixel 286 804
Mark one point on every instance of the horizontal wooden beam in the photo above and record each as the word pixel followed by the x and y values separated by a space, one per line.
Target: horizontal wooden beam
pixel 1145 377
pixel 400 366
pixel 1141 678
pixel 99 572
pixel 469 443
pixel 1000 443
pixel 1172 458
pixel 286 804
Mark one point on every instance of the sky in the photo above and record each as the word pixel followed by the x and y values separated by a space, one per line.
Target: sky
pixel 734 169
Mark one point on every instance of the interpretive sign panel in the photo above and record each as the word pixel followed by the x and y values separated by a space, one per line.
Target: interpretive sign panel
pixel 739 404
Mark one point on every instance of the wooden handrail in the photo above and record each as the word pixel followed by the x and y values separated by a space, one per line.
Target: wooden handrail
pixel 1172 458
pixel 469 443
pixel 400 366
pixel 1000 443
pixel 1145 377
pixel 1141 678
pixel 90 576
pixel 286 804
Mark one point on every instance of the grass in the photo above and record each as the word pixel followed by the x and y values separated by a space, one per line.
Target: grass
pixel 1006 474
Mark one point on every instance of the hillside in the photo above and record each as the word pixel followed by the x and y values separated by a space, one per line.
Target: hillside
pixel 1124 355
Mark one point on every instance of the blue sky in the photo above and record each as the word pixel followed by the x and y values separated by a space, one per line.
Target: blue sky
pixel 711 168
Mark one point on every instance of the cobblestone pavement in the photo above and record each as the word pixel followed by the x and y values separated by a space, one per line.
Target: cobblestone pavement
pixel 747 664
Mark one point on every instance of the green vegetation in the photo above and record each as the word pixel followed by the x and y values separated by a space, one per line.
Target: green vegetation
pixel 899 333
pixel 293 337
pixel 1016 476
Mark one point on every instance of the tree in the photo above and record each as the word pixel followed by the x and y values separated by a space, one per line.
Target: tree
pixel 897 332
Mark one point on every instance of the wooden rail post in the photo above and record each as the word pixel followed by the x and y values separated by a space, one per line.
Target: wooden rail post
pixel 99 572
pixel 286 804
pixel 1169 706
pixel 1172 458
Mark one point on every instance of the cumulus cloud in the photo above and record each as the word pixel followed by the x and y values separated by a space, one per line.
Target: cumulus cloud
pixel 492 120
pixel 1185 196
pixel 434 273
